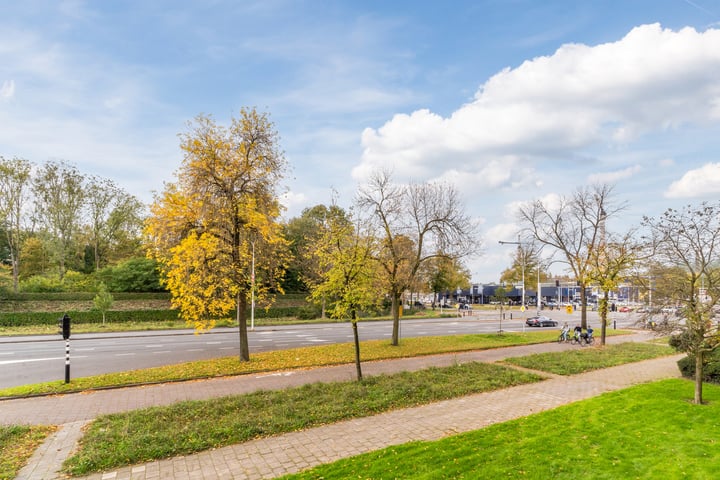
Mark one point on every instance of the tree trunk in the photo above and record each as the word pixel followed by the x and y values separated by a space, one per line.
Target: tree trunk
pixel 395 306
pixel 358 368
pixel 699 356
pixel 241 304
pixel 603 306
pixel 583 306
pixel 15 272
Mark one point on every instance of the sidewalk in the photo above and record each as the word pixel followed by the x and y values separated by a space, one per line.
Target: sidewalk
pixel 275 456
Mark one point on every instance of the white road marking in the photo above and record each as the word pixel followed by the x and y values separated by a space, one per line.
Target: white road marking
pixel 10 362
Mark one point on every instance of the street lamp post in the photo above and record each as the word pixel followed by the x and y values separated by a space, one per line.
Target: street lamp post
pixel 522 259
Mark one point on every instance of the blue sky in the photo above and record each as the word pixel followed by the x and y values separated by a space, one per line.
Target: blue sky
pixel 510 100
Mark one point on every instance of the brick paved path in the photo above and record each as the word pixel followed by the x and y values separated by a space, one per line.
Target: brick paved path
pixel 275 456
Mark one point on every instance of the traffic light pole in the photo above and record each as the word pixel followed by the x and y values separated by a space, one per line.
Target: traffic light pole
pixel 67 360
pixel 64 326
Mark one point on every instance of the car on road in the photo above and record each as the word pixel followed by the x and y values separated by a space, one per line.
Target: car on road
pixel 624 309
pixel 541 321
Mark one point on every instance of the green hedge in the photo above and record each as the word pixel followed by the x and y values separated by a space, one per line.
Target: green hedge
pixel 117 316
pixel 81 296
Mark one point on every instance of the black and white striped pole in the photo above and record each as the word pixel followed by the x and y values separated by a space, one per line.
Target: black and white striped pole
pixel 64 325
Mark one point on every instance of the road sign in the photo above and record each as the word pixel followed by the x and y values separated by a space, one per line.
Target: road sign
pixel 569 309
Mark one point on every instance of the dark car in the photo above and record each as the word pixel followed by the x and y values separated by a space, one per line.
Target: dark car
pixel 541 321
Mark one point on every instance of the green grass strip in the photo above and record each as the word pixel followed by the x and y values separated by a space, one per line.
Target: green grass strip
pixel 648 431
pixel 187 427
pixel 305 357
pixel 17 444
pixel 586 359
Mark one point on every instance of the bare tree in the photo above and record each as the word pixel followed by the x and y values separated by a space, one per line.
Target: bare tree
pixel 417 222
pixel 574 227
pixel 688 241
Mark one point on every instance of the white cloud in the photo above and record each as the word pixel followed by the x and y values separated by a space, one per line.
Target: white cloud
pixel 614 177
pixel 704 181
pixel 292 201
pixel 653 79
pixel 7 90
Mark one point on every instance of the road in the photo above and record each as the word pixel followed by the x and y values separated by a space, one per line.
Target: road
pixel 34 359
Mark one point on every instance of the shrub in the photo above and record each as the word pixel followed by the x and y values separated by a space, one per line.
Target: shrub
pixel 42 284
pixel 133 275
pixel 711 368
pixel 308 312
pixel 78 282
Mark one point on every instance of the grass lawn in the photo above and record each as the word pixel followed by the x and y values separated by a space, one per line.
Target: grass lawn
pixel 648 431
pixel 160 432
pixel 17 444
pixel 289 359
pixel 187 427
pixel 590 358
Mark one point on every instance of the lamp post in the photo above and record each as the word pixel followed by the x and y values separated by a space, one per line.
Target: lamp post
pixel 522 260
pixel 252 289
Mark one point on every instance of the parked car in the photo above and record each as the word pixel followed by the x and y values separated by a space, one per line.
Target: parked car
pixel 624 309
pixel 541 321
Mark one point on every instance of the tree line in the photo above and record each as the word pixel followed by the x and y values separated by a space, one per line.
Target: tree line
pixel 55 219
pixel 219 242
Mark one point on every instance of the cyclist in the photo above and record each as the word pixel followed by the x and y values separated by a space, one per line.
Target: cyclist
pixel 564 332
pixel 578 332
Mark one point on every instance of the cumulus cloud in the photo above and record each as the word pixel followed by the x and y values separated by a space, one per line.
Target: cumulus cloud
pixel 7 90
pixel 700 182
pixel 555 106
pixel 614 177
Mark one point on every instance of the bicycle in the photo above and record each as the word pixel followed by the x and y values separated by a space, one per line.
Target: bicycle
pixel 564 338
pixel 582 339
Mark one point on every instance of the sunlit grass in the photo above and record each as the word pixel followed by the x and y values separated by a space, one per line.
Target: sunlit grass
pixel 648 431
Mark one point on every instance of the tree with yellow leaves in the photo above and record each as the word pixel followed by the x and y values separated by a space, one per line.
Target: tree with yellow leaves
pixel 215 231
pixel 348 272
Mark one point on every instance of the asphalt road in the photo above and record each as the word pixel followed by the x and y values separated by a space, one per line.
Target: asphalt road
pixel 33 359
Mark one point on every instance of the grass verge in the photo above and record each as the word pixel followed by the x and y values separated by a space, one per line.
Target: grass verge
pixel 17 444
pixel 644 432
pixel 160 432
pixel 287 359
pixel 585 359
